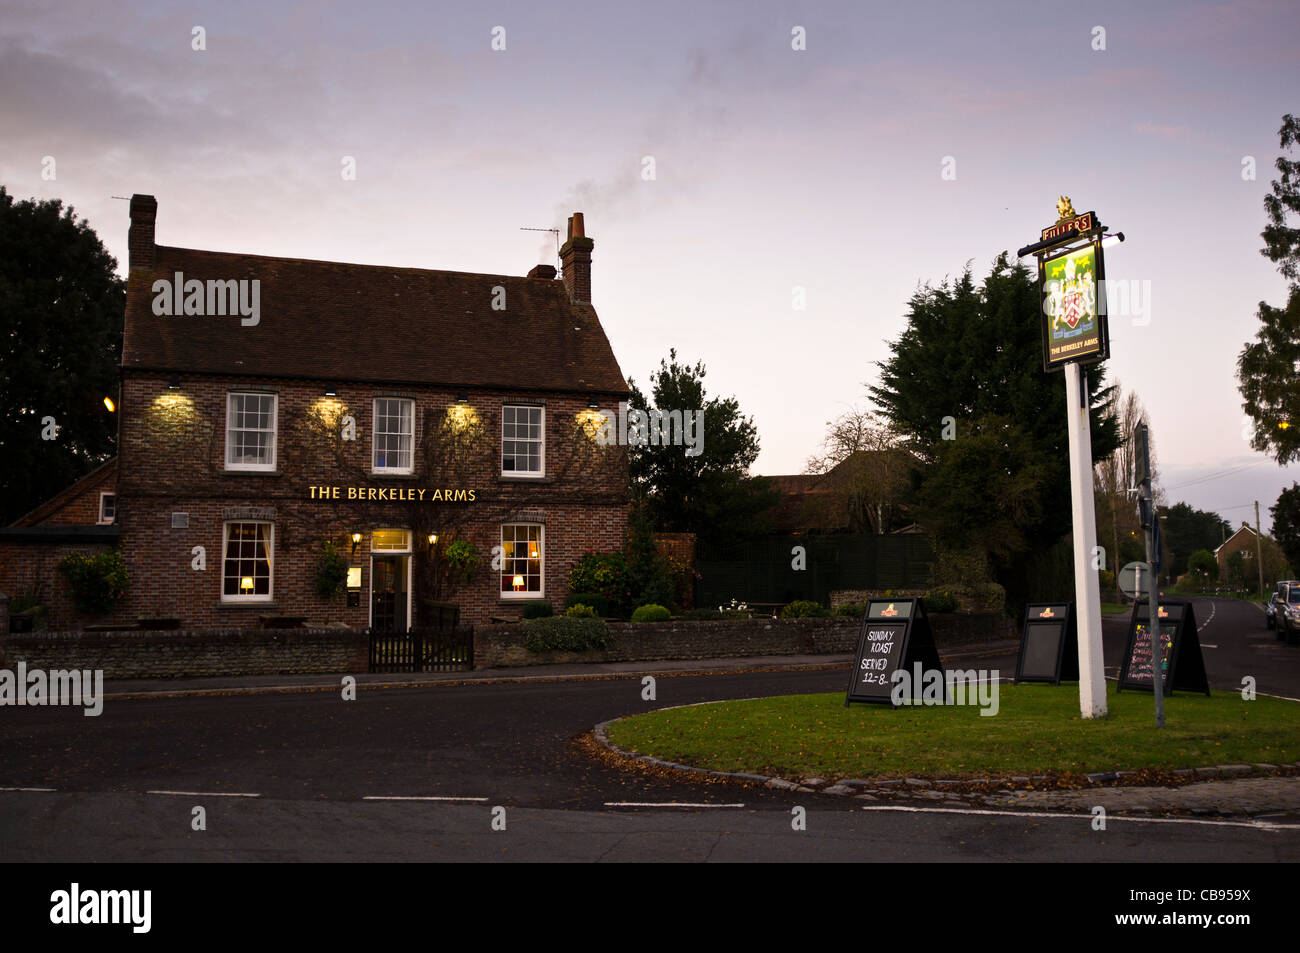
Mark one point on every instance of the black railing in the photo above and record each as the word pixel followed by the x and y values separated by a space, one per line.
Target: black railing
pixel 422 650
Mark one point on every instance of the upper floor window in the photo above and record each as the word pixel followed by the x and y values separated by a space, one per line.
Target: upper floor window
pixel 250 431
pixel 394 434
pixel 523 441
pixel 107 507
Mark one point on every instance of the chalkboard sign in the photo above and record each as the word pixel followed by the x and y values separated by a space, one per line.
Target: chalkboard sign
pixel 1049 644
pixel 895 635
pixel 1181 662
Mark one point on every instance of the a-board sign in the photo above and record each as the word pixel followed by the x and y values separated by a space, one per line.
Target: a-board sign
pixel 1049 644
pixel 1181 663
pixel 895 636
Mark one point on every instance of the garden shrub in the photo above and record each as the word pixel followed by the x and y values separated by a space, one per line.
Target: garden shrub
pixel 851 610
pixel 579 611
pixel 940 600
pixel 805 609
pixel 566 634
pixel 97 581
pixel 593 599
pixel 606 574
pixel 650 612
pixel 701 615
pixel 538 610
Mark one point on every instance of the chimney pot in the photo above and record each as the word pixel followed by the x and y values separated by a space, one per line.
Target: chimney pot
pixel 543 271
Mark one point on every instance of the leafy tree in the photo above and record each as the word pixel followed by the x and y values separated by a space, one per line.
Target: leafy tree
pixel 1185 529
pixel 711 493
pixel 1203 562
pixel 1286 523
pixel 1268 370
pixel 61 309
pixel 1001 484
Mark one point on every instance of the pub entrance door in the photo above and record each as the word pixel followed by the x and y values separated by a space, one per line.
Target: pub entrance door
pixel 389 592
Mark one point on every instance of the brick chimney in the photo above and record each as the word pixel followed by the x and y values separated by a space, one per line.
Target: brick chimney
pixel 575 256
pixel 140 239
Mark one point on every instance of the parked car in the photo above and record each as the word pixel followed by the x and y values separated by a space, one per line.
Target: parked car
pixel 1274 608
pixel 1288 618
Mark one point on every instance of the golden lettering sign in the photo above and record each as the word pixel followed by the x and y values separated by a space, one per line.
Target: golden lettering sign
pixel 395 494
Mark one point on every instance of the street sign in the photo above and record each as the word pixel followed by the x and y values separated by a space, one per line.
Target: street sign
pixel 1135 580
pixel 895 635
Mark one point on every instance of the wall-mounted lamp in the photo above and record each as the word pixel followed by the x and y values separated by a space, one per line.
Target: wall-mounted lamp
pixel 593 404
pixel 356 541
pixel 433 539
pixel 108 402
pixel 331 391
pixel 462 398
pixel 174 384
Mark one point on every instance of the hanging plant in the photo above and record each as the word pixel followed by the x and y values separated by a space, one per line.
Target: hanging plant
pixel 462 560
pixel 331 572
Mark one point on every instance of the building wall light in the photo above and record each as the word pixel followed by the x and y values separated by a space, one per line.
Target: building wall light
pixel 356 541
pixel 108 402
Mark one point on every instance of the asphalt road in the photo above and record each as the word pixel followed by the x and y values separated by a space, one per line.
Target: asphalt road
pixel 317 763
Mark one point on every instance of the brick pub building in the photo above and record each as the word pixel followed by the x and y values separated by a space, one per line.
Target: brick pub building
pixel 391 415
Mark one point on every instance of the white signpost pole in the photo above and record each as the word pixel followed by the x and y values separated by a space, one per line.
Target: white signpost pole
pixel 1087 588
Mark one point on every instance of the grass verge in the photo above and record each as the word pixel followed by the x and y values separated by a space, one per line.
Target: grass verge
pixel 1037 730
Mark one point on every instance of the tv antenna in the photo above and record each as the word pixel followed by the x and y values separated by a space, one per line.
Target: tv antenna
pixel 559 265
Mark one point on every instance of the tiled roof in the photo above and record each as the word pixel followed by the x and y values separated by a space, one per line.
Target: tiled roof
pixel 335 321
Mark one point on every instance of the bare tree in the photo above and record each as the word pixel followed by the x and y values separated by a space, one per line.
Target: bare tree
pixel 864 468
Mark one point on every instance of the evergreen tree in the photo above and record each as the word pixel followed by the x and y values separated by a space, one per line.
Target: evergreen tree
pixel 61 310
pixel 1268 370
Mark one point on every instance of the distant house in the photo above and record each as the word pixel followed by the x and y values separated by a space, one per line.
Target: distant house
pixel 861 494
pixel 1244 541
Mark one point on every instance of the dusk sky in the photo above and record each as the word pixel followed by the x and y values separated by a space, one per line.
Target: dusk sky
pixel 773 169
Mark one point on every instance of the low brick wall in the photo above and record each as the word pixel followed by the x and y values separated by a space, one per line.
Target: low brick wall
pixel 501 646
pixel 174 654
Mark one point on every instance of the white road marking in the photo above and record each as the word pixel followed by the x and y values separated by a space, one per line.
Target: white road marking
pixel 1207 645
pixel 395 797
pixel 26 789
pixel 664 804
pixel 204 793
pixel 1258 825
pixel 1214 607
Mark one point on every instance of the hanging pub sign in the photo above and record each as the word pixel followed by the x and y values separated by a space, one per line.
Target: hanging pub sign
pixel 1181 664
pixel 1049 644
pixel 1072 288
pixel 895 638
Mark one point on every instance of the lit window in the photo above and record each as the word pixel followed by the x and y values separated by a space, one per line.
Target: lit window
pixel 250 431
pixel 523 441
pixel 521 570
pixel 246 569
pixel 390 540
pixel 394 431
pixel 107 507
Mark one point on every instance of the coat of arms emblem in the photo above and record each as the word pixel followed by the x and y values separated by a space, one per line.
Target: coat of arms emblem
pixel 1074 297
